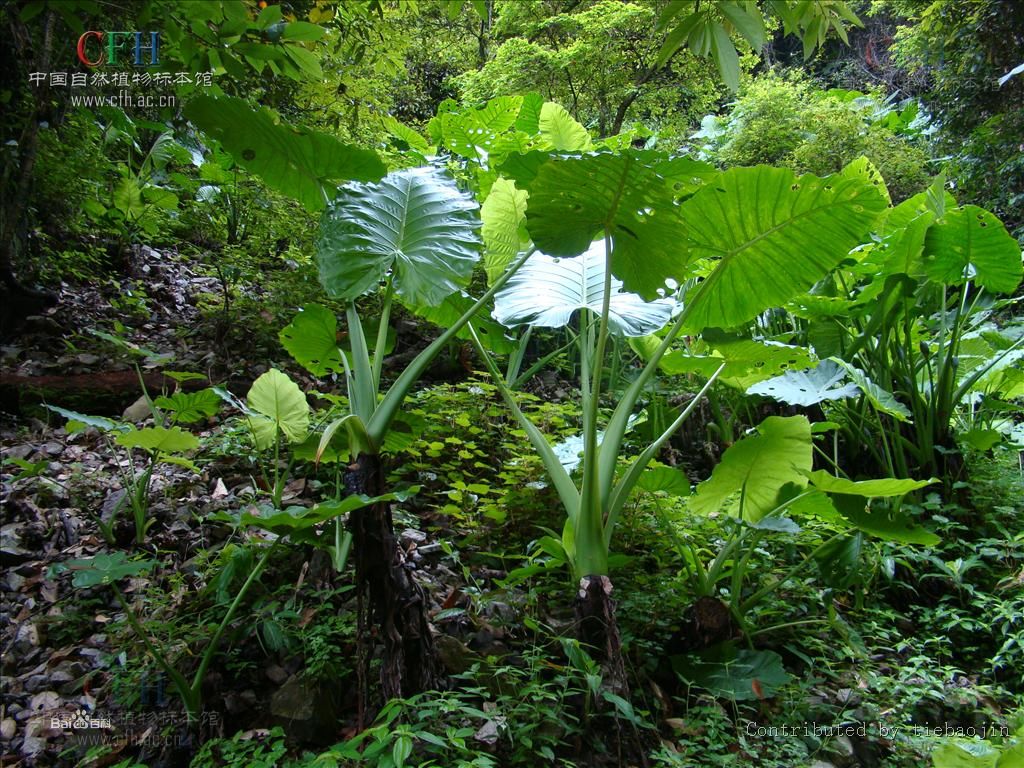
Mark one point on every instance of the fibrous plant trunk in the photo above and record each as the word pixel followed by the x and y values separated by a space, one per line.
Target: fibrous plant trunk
pixel 389 598
pixel 597 629
pixel 599 632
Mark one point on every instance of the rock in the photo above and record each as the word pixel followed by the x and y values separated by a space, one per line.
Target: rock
pixel 64 679
pixel 13 581
pixel 487 733
pixel 36 683
pixel 412 536
pixel 455 656
pixel 137 411
pixel 111 504
pixel 308 712
pixel 27 638
pixel 276 674
pixel 22 451
pixel 35 736
pixel 52 448
pixel 44 702
pixel 8 727
pixel 11 550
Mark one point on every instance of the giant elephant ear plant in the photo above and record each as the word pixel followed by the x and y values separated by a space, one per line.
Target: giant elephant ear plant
pixel 753 237
pixel 414 237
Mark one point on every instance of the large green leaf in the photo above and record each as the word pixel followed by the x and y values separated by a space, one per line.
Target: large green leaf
pixel 471 133
pixel 739 675
pixel 415 223
pixel 504 218
pixel 560 131
pixel 162 439
pixel 880 521
pixel 279 405
pixel 971 242
pixel 889 486
pixel 190 407
pixel 572 199
pixel 547 291
pixel 758 467
pixel 296 161
pixel 106 569
pixel 881 399
pixel 295 520
pixel 79 421
pixel 826 382
pixel 312 339
pixel 746 360
pixel 528 120
pixel 773 236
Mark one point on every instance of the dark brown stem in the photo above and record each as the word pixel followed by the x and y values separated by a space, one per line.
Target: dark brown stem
pixel 394 603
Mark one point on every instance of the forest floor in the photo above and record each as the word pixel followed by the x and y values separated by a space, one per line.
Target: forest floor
pixel 870 673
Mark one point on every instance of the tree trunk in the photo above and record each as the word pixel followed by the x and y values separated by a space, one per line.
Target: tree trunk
pixel 389 597
pixel 20 301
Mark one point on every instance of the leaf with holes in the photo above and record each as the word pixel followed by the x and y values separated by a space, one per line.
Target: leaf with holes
pixel 807 387
pixel 295 161
pixel 415 224
pixel 472 133
pixel 970 242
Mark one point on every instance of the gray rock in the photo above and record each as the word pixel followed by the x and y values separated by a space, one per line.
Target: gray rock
pixel 277 674
pixel 27 638
pixel 412 536
pixel 110 504
pixel 36 683
pixel 308 711
pixel 137 411
pixel 22 451
pixel 11 550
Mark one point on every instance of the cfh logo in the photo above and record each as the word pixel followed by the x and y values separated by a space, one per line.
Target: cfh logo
pixel 98 49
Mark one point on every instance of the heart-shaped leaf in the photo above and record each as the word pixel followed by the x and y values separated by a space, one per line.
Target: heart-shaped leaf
pixel 756 469
pixel 547 292
pixel 807 387
pixel 106 569
pixel 771 236
pixel 162 439
pixel 282 406
pixel 415 223
pixel 312 339
pixel 573 199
